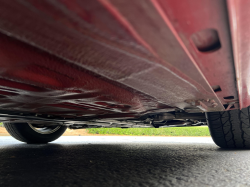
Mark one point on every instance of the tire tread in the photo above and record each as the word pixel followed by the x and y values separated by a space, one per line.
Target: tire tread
pixel 230 129
pixel 14 132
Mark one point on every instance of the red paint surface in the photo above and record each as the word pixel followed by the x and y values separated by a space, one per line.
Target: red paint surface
pixel 239 22
pixel 111 57
pixel 190 17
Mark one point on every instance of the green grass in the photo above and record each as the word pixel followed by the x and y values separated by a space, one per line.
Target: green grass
pixel 173 131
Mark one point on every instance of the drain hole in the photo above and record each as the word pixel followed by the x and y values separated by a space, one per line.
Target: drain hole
pixel 216 88
pixel 226 105
pixel 229 97
pixel 206 40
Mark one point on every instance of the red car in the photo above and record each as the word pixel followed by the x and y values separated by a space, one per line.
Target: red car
pixel 125 63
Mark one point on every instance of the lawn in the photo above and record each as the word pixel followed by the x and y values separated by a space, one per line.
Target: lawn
pixel 173 131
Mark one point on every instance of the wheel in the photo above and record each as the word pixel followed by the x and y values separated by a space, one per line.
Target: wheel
pixel 230 129
pixel 26 132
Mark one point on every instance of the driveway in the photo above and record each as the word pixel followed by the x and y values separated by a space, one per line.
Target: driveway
pixel 122 161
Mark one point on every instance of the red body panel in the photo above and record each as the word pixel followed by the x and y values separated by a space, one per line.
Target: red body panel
pixel 113 58
pixel 239 21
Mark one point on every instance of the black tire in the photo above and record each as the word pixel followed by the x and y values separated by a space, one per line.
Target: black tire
pixel 25 133
pixel 230 129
